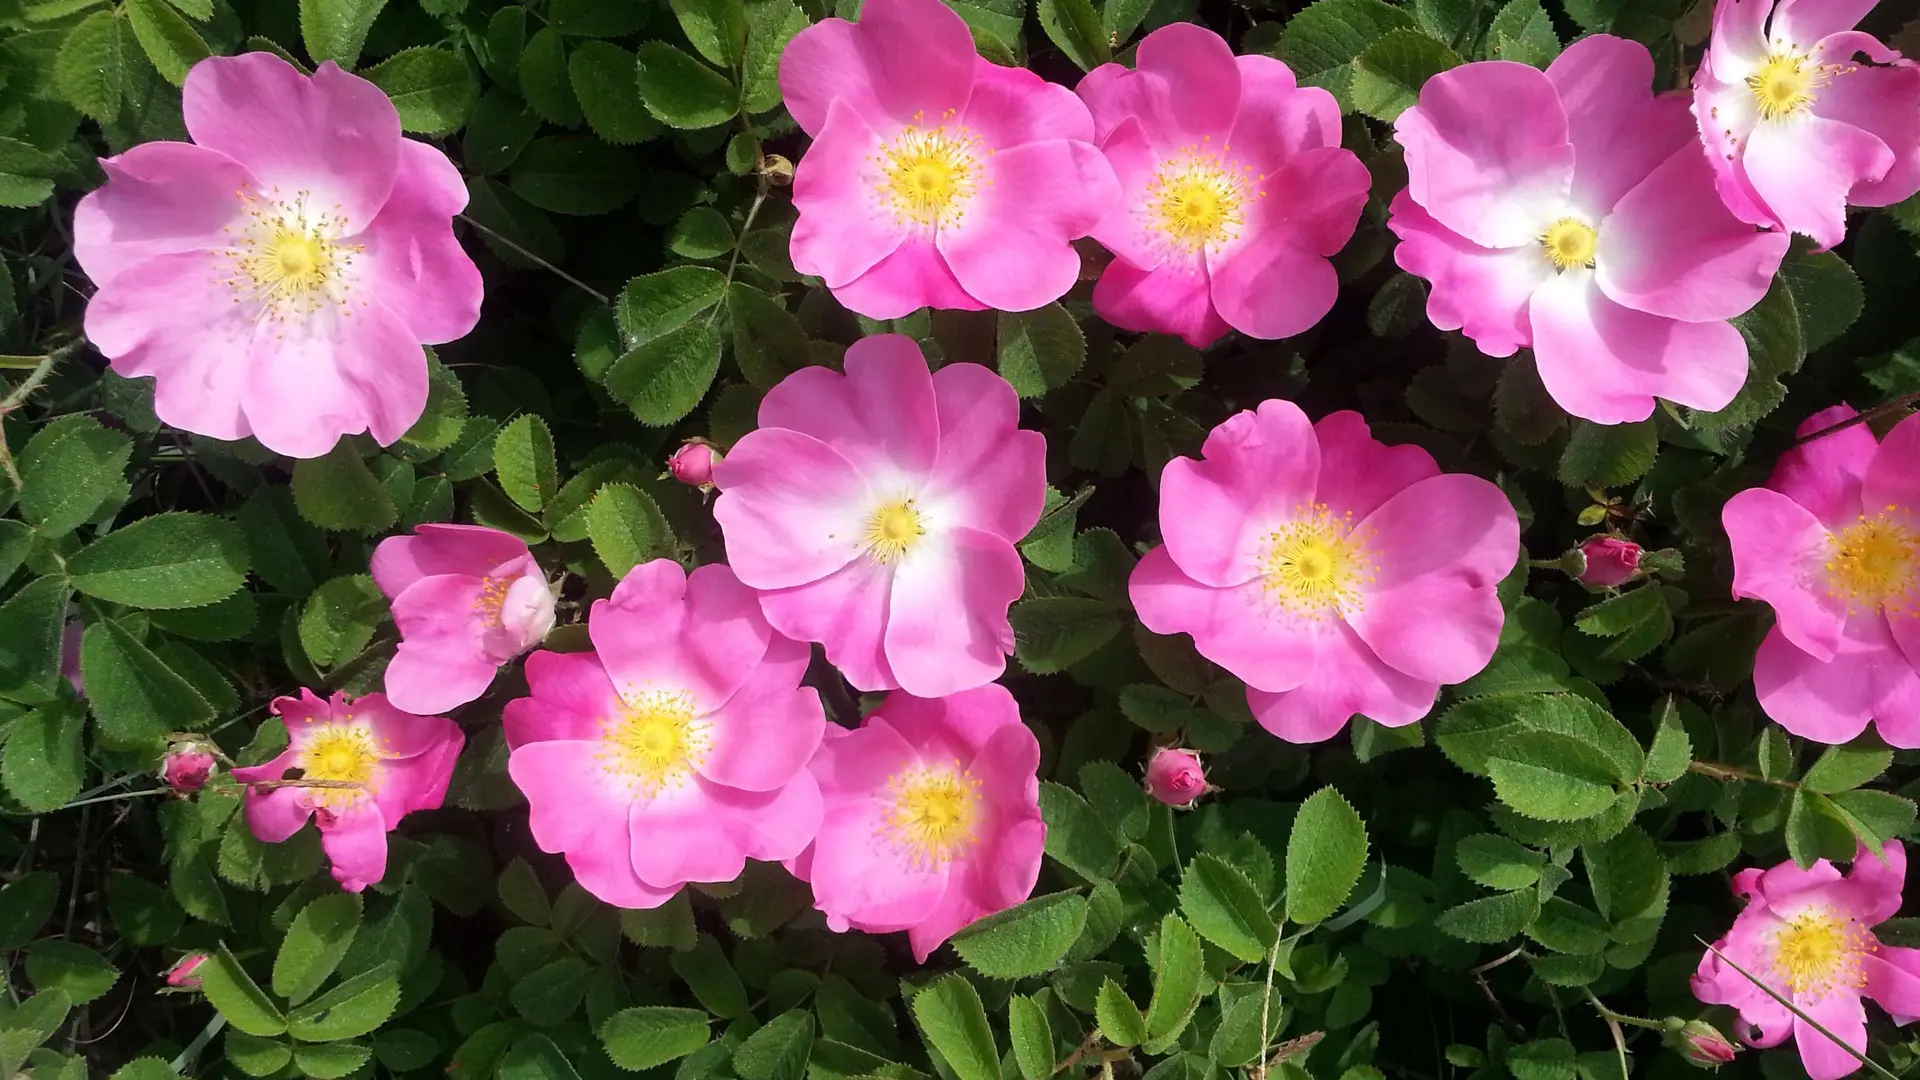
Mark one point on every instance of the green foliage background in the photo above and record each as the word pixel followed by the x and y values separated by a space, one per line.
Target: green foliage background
pixel 1446 900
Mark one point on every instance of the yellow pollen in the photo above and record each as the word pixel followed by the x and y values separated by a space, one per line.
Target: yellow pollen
pixel 1570 243
pixel 286 257
pixel 654 743
pixel 892 531
pixel 1197 200
pixel 1820 949
pixel 928 175
pixel 493 596
pixel 1787 84
pixel 1875 562
pixel 1316 565
pixel 341 753
pixel 934 812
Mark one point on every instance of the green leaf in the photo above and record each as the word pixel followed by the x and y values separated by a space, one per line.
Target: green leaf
pixel 1491 919
pixel 231 990
pixel 653 304
pixel 1176 979
pixel 1626 874
pixel 169 40
pixel 1608 455
pixel 1671 752
pixel 95 64
pixel 1076 837
pixel 405 1049
pixel 339 492
pixel 1077 29
pixel 1551 777
pixel 501 127
pixel 669 925
pixel 682 92
pixel 523 460
pixel 1027 939
pixel 176 560
pixel 1120 1020
pixel 552 993
pixel 535 1057
pixel 143 912
pixel 337 29
pixel 318 938
pixel 72 470
pixel 1054 633
pixel 574 174
pixel 146 1068
pixel 716 28
pixel 26 904
pixel 135 697
pixel 768 341
pixel 1326 853
pixel 1223 905
pixel 771 24
pixel 1387 77
pixel 701 233
pixel 1041 349
pixel 433 89
pixel 521 892
pixel 350 1009
pixel 1827 296
pixel 1032 1037
pixel 1872 816
pixel 597 18
pixel 32 622
pixel 43 763
pixel 1323 39
pixel 626 528
pixel 663 380
pixel 1843 768
pixel 952 1020
pixel 645 1037
pixel 329 1061
pixel 546 81
pixel 1523 32
pixel 31 1023
pixel 605 79
pixel 339 619
pixel 779 1050
pixel 711 977
pixel 1497 862
pixel 75 969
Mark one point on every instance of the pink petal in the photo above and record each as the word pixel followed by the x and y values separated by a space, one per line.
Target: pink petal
pixel 846 612
pixel 1832 701
pixel 991 472
pixel 881 414
pixel 1113 93
pixel 1173 299
pixel 274 816
pixel 333 135
pixel 851 765
pixel 1202 80
pixel 1779 555
pixel 437 675
pixel 1671 249
pixel 1258 467
pixel 1892 487
pixel 1441 546
pixel 160 197
pixel 706 646
pixel 915 276
pixel 862 877
pixel 402 735
pixel 355 840
pixel 770 728
pixel 1804 170
pixel 702 831
pixel 1012 105
pixel 947 626
pixel 1014 251
pixel 572 700
pixel 1826 475
pixel 436 549
pixel 573 811
pixel 344 370
pixel 1487 152
pixel 1606 363
pixel 1347 679
pixel 412 260
pixel 903 57
pixel 1619 130
pixel 956 727
pixel 1879 101
pixel 1726 114
pixel 1359 472
pixel 1482 292
pixel 845 229
pixel 1739 37
pixel 1891 986
pixel 790 506
pixel 1000 869
pixel 1277 282
pixel 1315 199
pixel 1876 883
pixel 1840 1012
pixel 1237 627
pixel 1278 119
pixel 1907 961
pixel 170 317
pixel 1804 21
pixel 1126 230
pixel 1017 854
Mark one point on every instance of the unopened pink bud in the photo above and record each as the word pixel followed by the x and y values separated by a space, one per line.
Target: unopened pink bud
pixel 693 463
pixel 1702 1044
pixel 182 975
pixel 1610 560
pixel 187 767
pixel 1175 777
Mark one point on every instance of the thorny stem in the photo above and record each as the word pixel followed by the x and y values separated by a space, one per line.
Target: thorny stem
pixel 115 798
pixel 19 397
pixel 739 244
pixel 1266 999
pixel 1871 414
pixel 538 261
pixel 1614 1020
pixel 1729 772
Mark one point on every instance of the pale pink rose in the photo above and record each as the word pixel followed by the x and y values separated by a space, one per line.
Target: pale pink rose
pixel 466 600
pixel 1175 776
pixel 1234 191
pixel 181 975
pixel 1571 211
pixel 935 178
pixel 692 465
pixel 187 767
pixel 1797 127
pixel 1331 573
pixel 278 275
pixel 877 512
pixel 1833 544
pixel 1808 934
pixel 379 764
pixel 1610 560
pixel 932 817
pixel 678 748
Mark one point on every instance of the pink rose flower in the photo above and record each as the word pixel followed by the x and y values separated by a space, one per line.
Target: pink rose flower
pixel 1796 128
pixel 1833 544
pixel 1175 777
pixel 876 512
pixel 932 817
pixel 1809 935
pixel 1234 190
pixel 379 764
pixel 935 178
pixel 678 748
pixel 1572 212
pixel 1610 560
pixel 1331 573
pixel 181 975
pixel 466 600
pixel 692 465
pixel 187 767
pixel 278 275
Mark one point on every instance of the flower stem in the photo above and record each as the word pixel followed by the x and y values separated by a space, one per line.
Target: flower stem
pixel 1871 414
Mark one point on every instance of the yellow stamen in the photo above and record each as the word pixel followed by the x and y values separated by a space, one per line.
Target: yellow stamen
pixel 341 753
pixel 929 175
pixel 1875 563
pixel 1197 200
pixel 1820 949
pixel 934 812
pixel 655 742
pixel 892 531
pixel 1316 565
pixel 1570 243
pixel 1787 84
pixel 286 257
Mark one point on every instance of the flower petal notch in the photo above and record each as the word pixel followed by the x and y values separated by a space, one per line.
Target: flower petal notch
pixel 278 275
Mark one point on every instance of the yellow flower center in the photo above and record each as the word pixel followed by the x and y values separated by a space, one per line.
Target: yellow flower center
pixel 1197 200
pixel 1786 84
pixel 892 531
pixel 286 258
pixel 1570 243
pixel 1875 562
pixel 654 743
pixel 341 753
pixel 928 175
pixel 492 598
pixel 935 813
pixel 1316 565
pixel 1820 949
